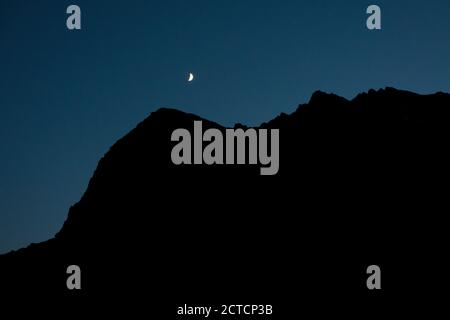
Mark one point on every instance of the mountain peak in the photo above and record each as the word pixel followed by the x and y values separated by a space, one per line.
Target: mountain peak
pixel 321 97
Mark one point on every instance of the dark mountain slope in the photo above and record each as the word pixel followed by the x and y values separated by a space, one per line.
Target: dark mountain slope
pixel 360 182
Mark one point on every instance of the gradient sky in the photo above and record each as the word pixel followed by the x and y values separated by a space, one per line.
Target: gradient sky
pixel 67 96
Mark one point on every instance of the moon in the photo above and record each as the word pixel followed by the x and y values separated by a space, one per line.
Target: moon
pixel 191 77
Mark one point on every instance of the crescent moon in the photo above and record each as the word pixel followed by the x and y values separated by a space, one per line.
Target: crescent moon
pixel 191 77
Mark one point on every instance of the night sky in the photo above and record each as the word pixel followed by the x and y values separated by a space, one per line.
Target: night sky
pixel 67 96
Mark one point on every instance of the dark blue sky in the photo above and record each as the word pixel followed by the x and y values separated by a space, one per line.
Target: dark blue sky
pixel 66 96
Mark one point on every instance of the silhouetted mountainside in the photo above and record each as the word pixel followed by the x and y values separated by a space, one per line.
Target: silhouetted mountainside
pixel 360 182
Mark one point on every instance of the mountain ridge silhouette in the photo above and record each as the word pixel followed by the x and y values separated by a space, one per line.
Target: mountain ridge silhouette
pixel 353 174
